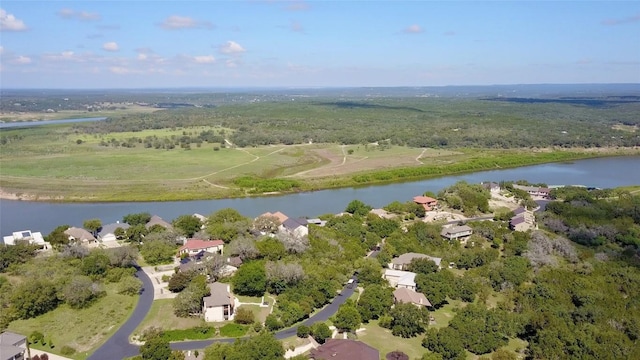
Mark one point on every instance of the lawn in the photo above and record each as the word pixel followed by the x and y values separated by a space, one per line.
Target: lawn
pixel 260 313
pixel 84 329
pixel 382 340
pixel 445 314
pixel 161 315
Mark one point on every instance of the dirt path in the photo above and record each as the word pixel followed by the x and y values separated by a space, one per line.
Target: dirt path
pixel 419 156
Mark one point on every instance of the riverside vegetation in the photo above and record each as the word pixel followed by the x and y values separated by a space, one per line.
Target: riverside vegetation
pixel 569 289
pixel 234 149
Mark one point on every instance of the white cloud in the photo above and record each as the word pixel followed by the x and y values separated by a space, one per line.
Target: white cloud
pixel 22 60
pixel 119 70
pixel 110 46
pixel 232 47
pixel 413 29
pixel 231 63
pixel 298 6
pixel 142 56
pixel 1 49
pixel 176 22
pixel 8 22
pixel 204 59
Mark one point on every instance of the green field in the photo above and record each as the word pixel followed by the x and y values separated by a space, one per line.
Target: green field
pixel 84 329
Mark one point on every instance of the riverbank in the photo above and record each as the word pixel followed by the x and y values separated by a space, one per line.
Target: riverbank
pixel 83 190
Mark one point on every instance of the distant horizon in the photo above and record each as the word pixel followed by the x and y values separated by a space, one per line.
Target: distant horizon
pixel 316 44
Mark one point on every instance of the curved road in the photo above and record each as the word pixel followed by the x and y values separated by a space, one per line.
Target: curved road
pixel 118 346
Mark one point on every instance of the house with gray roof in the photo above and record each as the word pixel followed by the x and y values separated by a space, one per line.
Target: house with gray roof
pixel 403 261
pixel 108 232
pixel 460 233
pixel 400 279
pixel 80 235
pixel 296 227
pixel 408 296
pixel 157 220
pixel 219 306
pixel 12 346
pixel 344 349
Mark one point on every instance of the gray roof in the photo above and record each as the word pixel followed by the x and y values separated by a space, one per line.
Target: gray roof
pixel 456 229
pixel 406 258
pixel 219 295
pixel 517 220
pixel 10 351
pixel 157 220
pixel 292 223
pixel 111 228
pixel 79 234
pixel 11 338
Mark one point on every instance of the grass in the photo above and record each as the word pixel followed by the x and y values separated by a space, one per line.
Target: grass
pixel 381 339
pixel 161 316
pixel 260 313
pixel 233 330
pixel 249 299
pixel 196 333
pixel 445 314
pixel 84 329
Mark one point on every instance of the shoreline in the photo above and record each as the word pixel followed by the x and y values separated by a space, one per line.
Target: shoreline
pixel 322 184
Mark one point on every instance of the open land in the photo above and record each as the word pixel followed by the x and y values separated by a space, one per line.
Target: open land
pixel 212 147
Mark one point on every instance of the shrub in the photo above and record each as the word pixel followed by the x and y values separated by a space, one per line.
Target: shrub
pixel 244 316
pixel 35 337
pixel 67 350
pixel 303 331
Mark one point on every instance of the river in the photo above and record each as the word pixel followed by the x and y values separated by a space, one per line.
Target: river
pixel 44 217
pixel 23 124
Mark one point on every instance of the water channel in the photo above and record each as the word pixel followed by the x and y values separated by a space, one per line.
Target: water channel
pixel 44 217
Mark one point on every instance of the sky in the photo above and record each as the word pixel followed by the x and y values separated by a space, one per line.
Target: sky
pixel 263 43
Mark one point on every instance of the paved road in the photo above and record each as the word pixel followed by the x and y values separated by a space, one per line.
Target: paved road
pixel 118 346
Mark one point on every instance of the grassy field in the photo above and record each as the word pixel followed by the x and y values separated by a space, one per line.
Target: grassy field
pixel 161 316
pixel 381 339
pixel 84 329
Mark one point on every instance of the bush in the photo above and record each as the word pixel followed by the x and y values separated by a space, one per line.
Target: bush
pixel 194 333
pixel 321 332
pixel 67 350
pixel 244 316
pixel 35 337
pixel 303 331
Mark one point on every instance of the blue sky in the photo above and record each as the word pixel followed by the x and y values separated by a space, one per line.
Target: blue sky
pixel 262 43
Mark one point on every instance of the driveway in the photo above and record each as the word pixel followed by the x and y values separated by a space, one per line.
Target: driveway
pixel 118 346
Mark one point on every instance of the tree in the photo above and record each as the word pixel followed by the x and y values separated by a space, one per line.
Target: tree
pixel 445 342
pixel 93 225
pixel 34 297
pixel 15 254
pixel 57 237
pixel 137 219
pixel 189 301
pixel 320 332
pixel 244 247
pixel 136 233
pixel 409 320
pixel 244 315
pixel 266 223
pixel 157 252
pixel 188 224
pixel 357 207
pixel 422 266
pixel 375 301
pixel 347 318
pixel 130 285
pixel 303 331
pixel 155 348
pixel 271 249
pixel 81 291
pixel 122 256
pixel 250 279
pixel 180 280
pixel 96 264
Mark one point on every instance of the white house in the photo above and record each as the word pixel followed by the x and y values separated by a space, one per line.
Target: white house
pixel 108 232
pixel 296 227
pixel 457 233
pixel 219 306
pixel 12 346
pixel 26 236
pixel 400 279
pixel 193 247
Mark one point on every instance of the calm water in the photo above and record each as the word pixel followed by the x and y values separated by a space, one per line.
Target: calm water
pixel 44 217
pixel 23 124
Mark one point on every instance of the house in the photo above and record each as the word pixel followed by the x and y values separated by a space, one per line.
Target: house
pixel 219 306
pixel 407 296
pixel 534 190
pixel 343 349
pixel 460 233
pixel 523 220
pixel 108 232
pixel 316 221
pixel 193 247
pixel 296 227
pixel 26 236
pixel 157 220
pixel 12 346
pixel 278 215
pixel 427 202
pixel 203 219
pixel 80 235
pixel 493 187
pixel 400 279
pixel 382 213
pixel 403 261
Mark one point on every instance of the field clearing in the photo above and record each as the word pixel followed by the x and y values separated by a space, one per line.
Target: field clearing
pixel 161 315
pixel 84 329
pixel 74 114
pixel 381 339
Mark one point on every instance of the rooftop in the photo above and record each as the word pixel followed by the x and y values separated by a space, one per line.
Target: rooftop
pixel 342 349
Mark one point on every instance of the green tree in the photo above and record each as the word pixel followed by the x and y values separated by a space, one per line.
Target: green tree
pixel 157 252
pixel 93 226
pixel 57 237
pixel 136 233
pixel 375 301
pixel 155 348
pixel 422 266
pixel 189 301
pixel 437 286
pixel 137 219
pixel 15 254
pixel 180 280
pixel 271 249
pixel 320 332
pixel 303 331
pixel 357 207
pixel 244 315
pixel 81 291
pixel 347 318
pixel 188 224
pixel 408 320
pixel 96 264
pixel 250 279
pixel 445 342
pixel 34 297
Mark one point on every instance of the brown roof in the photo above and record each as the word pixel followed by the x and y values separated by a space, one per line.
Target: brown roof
pixel 408 296
pixel 219 295
pixel 79 234
pixel 280 216
pixel 342 349
pixel 406 258
pixel 157 220
pixel 424 200
pixel 197 244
